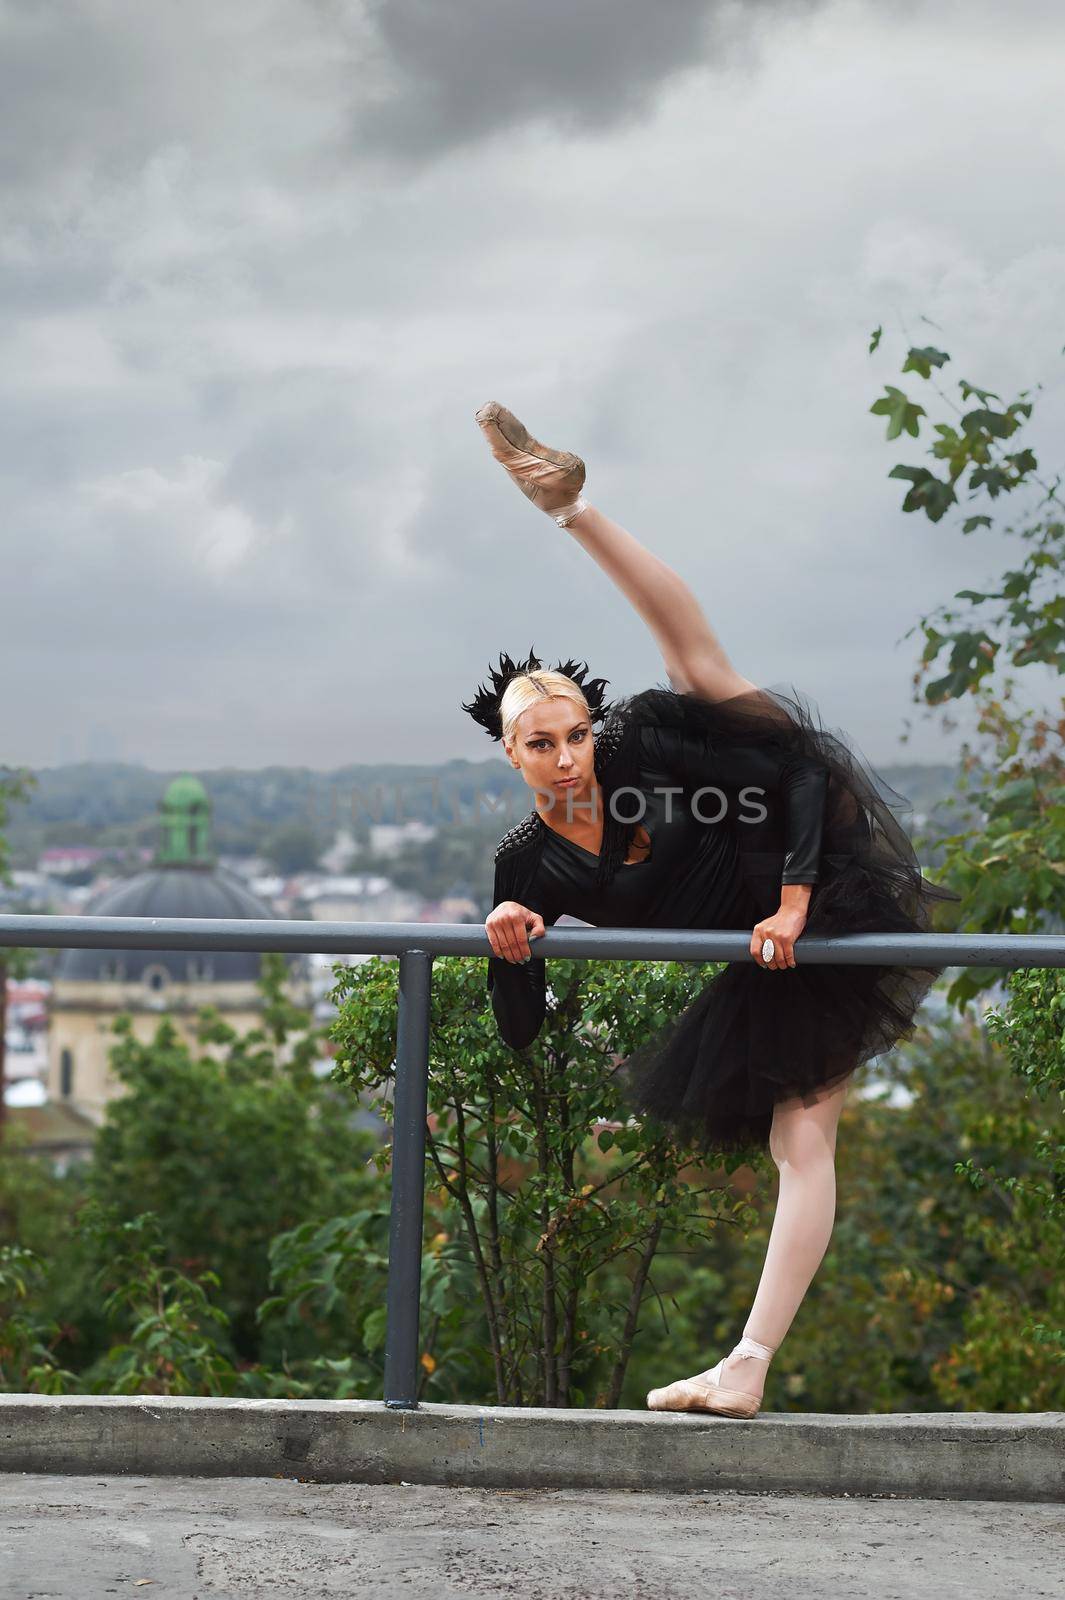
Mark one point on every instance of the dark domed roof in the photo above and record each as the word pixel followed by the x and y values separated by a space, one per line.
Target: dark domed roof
pixel 181 891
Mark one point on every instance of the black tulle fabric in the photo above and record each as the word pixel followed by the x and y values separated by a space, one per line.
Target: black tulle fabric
pixel 753 1037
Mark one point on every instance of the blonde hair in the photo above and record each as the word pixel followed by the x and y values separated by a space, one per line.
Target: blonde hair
pixel 530 689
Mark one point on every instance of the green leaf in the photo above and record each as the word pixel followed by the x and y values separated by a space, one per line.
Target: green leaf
pixel 968 389
pixel 995 424
pixel 928 494
pixel 923 360
pixel 901 411
pixel 374 1328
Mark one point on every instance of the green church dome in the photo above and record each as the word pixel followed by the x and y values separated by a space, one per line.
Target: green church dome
pixel 184 880
pixel 185 813
pixel 186 790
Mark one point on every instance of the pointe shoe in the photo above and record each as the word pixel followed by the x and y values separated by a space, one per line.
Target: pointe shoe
pixel 552 479
pixel 706 1393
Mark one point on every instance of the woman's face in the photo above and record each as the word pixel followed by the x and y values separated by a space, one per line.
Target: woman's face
pixel 552 748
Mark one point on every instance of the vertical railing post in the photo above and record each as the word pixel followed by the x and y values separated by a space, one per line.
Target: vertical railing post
pixel 408 1181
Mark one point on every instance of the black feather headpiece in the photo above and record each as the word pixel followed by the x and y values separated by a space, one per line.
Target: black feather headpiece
pixel 484 707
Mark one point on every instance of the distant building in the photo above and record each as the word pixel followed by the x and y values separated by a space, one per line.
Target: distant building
pixel 92 985
pixel 451 908
pixel 358 897
pixel 389 838
pixel 62 859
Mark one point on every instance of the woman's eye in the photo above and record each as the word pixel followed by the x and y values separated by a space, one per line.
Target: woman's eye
pixel 580 734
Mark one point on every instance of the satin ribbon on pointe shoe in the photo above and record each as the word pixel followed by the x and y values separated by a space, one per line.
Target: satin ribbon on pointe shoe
pixel 565 514
pixel 705 1392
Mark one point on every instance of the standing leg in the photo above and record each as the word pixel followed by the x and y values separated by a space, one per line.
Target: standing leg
pixel 803 1145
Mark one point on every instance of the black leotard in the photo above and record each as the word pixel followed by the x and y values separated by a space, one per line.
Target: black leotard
pixel 689 879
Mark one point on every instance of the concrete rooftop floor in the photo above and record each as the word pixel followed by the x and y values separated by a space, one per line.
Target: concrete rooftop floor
pixel 237 1537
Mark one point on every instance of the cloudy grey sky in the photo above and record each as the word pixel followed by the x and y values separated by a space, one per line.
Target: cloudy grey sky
pixel 261 262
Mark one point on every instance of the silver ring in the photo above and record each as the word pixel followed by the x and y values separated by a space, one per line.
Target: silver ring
pixel 768 949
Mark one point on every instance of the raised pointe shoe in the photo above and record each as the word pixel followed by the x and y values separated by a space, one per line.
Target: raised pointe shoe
pixel 552 479
pixel 706 1393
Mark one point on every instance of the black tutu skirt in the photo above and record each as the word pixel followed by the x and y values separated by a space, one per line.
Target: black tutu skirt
pixel 752 1038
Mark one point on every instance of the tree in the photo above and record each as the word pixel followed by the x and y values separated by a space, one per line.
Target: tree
pixel 541 1189
pixel 229 1149
pixel 15 784
pixel 1012 1355
pixel 1009 869
pixel 27 1337
pixel 174 1334
pixel 293 847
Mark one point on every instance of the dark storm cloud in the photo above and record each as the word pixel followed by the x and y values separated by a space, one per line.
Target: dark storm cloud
pixel 91 84
pixel 77 82
pixel 240 349
pixel 469 70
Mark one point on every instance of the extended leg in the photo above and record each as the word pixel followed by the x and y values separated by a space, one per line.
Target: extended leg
pixel 694 656
pixel 803 1145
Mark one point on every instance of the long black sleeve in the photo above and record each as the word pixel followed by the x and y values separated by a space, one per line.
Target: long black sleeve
pixel 802 781
pixel 519 989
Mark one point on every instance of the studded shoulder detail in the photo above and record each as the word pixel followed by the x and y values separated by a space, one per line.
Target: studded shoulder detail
pixel 608 741
pixel 523 834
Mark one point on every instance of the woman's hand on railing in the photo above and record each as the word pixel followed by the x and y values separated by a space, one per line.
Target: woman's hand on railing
pixel 510 927
pixel 783 927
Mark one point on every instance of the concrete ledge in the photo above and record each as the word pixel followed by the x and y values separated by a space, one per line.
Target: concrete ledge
pixel 939 1455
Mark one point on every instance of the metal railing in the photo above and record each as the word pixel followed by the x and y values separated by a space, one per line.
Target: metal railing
pixel 416 944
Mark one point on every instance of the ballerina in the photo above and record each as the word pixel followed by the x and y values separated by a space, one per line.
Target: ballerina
pixel 754 1059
